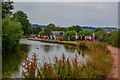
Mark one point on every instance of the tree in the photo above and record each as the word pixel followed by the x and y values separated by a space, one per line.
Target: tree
pixel 47 31
pixel 11 32
pixel 86 33
pixel 71 34
pixel 77 28
pixel 60 29
pixel 35 30
pixel 51 26
pixel 6 8
pixel 39 29
pixel 21 17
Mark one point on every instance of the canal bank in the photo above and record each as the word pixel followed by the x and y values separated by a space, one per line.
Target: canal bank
pixel 55 41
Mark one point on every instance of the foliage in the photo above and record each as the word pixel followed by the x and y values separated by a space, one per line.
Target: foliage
pixel 86 33
pixel 109 38
pixel 60 29
pixel 70 34
pixel 54 28
pixel 41 33
pixel 77 28
pixel 51 26
pixel 21 17
pixel 6 8
pixel 11 32
pixel 35 30
pixel 115 40
pixel 99 34
pixel 39 28
pixel 47 31
pixel 98 29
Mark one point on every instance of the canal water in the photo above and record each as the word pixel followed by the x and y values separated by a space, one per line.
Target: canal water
pixel 43 50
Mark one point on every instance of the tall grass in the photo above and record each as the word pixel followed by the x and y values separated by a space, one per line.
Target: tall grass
pixel 61 68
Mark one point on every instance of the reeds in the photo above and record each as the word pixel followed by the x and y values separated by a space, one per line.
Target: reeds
pixel 61 68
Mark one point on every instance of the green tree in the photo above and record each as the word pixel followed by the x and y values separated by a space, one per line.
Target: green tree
pixel 39 28
pixel 86 33
pixel 41 33
pixel 47 31
pixel 77 28
pixel 71 34
pixel 21 17
pixel 11 32
pixel 60 29
pixel 51 26
pixel 35 30
pixel 6 8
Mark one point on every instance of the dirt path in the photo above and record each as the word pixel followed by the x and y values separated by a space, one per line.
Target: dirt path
pixel 114 71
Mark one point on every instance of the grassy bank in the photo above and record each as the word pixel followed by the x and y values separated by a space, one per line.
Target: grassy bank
pixel 98 67
pixel 55 41
pixel 25 37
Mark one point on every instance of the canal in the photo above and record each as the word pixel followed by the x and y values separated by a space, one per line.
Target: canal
pixel 11 60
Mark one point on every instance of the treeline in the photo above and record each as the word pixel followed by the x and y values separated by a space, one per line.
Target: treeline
pixel 14 26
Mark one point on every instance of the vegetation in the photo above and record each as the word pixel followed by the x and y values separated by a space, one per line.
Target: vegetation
pixel 86 33
pixel 70 34
pixel 98 65
pixel 6 8
pixel 76 28
pixel 109 38
pixel 47 31
pixel 35 30
pixel 21 17
pixel 11 32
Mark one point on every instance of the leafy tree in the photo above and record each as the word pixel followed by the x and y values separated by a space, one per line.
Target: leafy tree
pixel 71 34
pixel 60 29
pixel 6 8
pixel 11 32
pixel 41 33
pixel 77 28
pixel 21 17
pixel 47 31
pixel 86 33
pixel 51 26
pixel 39 29
pixel 35 30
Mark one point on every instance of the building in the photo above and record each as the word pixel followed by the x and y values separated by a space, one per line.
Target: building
pixel 58 34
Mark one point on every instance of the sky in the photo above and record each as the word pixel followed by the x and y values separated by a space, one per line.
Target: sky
pixel 65 14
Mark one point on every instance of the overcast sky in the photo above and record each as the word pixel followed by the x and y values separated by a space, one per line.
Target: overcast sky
pixel 70 13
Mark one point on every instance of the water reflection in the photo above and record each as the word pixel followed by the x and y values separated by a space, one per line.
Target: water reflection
pixel 11 58
pixel 69 48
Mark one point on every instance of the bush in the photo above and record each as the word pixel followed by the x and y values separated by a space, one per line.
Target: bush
pixel 86 33
pixel 11 32
pixel 71 34
pixel 72 38
pixel 109 38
